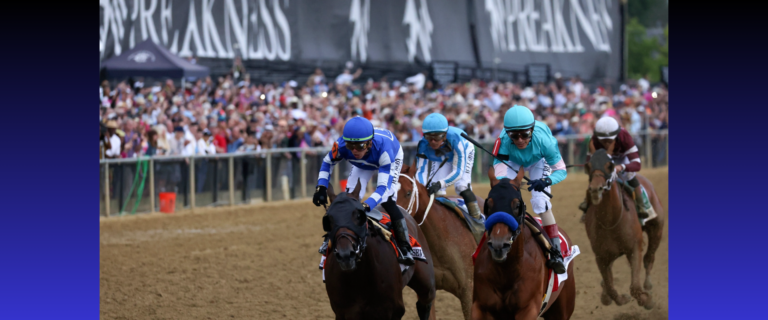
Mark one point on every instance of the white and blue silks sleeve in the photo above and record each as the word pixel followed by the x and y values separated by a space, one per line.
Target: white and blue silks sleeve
pixel 422 164
pixel 384 180
pixel 325 170
pixel 459 162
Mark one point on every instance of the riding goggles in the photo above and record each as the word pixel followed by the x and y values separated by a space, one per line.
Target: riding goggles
pixel 514 135
pixel 359 146
pixel 435 136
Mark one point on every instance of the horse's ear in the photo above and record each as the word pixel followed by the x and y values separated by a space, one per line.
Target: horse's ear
pixel 412 169
pixel 404 169
pixel 519 177
pixel 492 176
pixel 331 195
pixel 488 205
pixel 356 193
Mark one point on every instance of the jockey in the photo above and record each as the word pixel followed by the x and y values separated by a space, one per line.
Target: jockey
pixel 620 145
pixel 530 144
pixel 444 143
pixel 369 151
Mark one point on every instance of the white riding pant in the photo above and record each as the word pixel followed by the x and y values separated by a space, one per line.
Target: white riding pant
pixel 540 202
pixel 365 176
pixel 463 182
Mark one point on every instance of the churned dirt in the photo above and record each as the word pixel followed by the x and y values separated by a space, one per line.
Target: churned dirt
pixel 261 263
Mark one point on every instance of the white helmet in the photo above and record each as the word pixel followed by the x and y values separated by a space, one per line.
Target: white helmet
pixel 606 128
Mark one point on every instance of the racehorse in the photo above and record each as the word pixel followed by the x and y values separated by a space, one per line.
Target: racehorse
pixel 511 276
pixel 614 229
pixel 363 276
pixel 450 240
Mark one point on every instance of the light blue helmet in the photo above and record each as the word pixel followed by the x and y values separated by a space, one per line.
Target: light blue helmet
pixel 358 129
pixel 518 118
pixel 435 123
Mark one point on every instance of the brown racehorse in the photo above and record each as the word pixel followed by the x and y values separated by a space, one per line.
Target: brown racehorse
pixel 363 276
pixel 450 240
pixel 511 276
pixel 614 230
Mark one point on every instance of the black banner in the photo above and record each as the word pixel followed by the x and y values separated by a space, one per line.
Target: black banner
pixel 572 36
pixel 575 37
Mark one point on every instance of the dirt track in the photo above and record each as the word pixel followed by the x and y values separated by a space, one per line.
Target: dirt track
pixel 261 263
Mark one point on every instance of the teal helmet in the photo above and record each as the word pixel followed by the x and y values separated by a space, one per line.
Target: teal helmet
pixel 518 118
pixel 435 123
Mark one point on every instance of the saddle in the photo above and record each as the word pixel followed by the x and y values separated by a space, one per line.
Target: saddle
pixel 455 204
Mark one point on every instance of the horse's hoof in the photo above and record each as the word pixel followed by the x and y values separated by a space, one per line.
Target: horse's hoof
pixel 623 299
pixel 649 304
pixel 605 299
pixel 648 285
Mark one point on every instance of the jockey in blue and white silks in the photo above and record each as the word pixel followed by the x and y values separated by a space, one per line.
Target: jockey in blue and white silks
pixel 444 144
pixel 530 144
pixel 370 151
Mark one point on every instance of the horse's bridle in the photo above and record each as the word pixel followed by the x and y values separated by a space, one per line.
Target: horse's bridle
pixel 521 217
pixel 358 243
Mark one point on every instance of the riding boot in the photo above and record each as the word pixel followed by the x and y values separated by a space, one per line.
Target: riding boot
pixel 641 199
pixel 471 201
pixel 403 241
pixel 555 260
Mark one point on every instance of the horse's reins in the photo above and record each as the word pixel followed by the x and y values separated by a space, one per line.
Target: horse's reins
pixel 415 194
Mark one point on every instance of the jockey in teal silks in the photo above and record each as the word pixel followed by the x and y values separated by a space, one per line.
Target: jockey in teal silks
pixel 369 150
pixel 444 144
pixel 530 144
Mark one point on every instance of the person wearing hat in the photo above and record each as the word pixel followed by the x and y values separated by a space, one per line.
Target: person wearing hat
pixel 620 145
pixel 444 143
pixel 115 143
pixel 530 144
pixel 205 143
pixel 180 145
pixel 369 150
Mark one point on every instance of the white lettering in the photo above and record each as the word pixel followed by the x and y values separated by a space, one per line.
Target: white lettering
pixel 547 27
pixel 192 34
pixel 165 20
pixel 420 30
pixel 239 27
pixel 561 32
pixel 513 9
pixel 269 51
pixel 210 33
pixel 284 53
pixel 361 19
pixel 147 25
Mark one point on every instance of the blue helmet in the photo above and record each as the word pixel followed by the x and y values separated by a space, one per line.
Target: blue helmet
pixel 518 118
pixel 358 129
pixel 435 123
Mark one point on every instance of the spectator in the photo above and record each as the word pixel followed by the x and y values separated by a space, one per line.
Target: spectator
pixel 205 143
pixel 115 143
pixel 180 145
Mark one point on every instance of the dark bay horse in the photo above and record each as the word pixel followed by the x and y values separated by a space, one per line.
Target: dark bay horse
pixel 511 276
pixel 614 230
pixel 363 276
pixel 450 240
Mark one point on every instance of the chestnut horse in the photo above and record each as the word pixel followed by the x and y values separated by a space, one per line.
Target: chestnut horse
pixel 511 276
pixel 363 276
pixel 450 240
pixel 614 230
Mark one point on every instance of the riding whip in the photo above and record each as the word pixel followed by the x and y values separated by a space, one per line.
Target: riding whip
pixel 465 136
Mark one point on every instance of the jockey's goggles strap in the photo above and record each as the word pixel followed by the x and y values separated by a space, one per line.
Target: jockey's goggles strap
pixel 608 135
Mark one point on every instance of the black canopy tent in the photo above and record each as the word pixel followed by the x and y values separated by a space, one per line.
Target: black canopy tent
pixel 148 59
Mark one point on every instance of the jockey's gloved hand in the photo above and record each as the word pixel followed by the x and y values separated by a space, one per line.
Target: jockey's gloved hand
pixel 434 188
pixel 320 197
pixel 366 207
pixel 540 184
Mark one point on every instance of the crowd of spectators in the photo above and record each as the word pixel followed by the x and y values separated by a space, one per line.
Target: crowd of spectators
pixel 232 114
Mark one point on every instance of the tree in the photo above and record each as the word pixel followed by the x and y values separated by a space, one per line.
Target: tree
pixel 646 54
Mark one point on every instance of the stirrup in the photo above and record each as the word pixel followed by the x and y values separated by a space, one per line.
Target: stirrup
pixel 324 247
pixel 406 257
pixel 556 263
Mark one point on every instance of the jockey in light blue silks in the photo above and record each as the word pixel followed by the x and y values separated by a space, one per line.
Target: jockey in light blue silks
pixel 444 143
pixel 369 151
pixel 530 143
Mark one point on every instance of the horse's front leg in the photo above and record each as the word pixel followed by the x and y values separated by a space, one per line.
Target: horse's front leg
pixel 530 312
pixel 644 299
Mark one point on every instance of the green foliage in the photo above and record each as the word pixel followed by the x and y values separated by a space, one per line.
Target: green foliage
pixel 646 54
